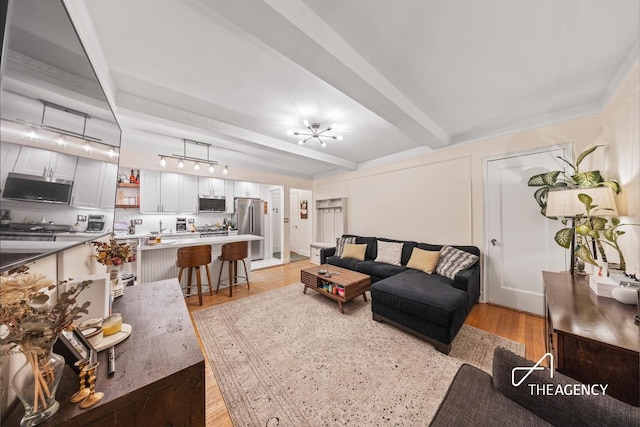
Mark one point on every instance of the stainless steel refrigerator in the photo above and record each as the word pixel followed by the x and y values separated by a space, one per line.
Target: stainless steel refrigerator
pixel 250 220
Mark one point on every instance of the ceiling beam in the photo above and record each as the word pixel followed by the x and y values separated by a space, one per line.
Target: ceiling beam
pixel 292 29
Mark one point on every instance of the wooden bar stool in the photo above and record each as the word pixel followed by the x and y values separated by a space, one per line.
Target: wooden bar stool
pixel 192 257
pixel 234 252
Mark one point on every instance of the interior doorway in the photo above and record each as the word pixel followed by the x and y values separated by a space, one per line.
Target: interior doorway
pixel 276 222
pixel 519 241
pixel 300 220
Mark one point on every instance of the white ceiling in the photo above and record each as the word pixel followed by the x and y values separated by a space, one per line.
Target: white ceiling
pixel 397 78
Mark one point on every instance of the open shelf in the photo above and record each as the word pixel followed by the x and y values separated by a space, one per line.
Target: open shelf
pixel 127 185
pixel 128 206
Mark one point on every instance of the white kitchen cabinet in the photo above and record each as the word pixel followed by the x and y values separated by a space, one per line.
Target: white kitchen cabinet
pixel 35 161
pixel 149 191
pixel 108 198
pixel 8 156
pixel 228 193
pixel 211 186
pixel 169 192
pixel 189 193
pixel 246 189
pixel 160 192
pixel 87 192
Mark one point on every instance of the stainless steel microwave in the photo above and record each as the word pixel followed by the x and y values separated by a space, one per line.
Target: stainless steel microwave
pixel 31 188
pixel 211 204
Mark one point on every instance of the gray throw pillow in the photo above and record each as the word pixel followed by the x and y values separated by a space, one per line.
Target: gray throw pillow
pixel 340 242
pixel 453 260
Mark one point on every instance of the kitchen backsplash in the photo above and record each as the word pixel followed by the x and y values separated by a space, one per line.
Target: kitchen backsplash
pixel 151 222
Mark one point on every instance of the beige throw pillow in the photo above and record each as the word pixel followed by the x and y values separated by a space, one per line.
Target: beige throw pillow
pixel 354 251
pixel 423 260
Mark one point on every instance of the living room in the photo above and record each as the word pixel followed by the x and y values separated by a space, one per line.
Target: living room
pixel 414 164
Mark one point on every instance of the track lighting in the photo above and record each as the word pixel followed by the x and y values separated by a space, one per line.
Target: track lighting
pixel 182 158
pixel 63 137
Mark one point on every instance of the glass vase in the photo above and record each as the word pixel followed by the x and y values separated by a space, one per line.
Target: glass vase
pixel 115 276
pixel 36 383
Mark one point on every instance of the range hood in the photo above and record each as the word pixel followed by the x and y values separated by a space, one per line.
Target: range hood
pixel 31 188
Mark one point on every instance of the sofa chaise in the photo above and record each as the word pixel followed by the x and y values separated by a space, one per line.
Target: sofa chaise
pixel 475 398
pixel 430 306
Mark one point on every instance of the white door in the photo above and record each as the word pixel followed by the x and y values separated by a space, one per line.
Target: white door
pixel 519 241
pixel 276 221
pixel 294 220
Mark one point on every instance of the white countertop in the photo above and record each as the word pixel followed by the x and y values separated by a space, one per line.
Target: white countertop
pixel 32 247
pixel 182 234
pixel 214 240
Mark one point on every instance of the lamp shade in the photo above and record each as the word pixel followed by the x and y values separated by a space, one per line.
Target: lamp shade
pixel 565 203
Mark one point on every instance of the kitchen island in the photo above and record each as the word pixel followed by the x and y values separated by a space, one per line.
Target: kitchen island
pixel 158 262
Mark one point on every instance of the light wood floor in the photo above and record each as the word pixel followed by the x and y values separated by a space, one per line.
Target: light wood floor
pixel 517 326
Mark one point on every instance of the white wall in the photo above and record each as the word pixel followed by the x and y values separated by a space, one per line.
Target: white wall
pixel 438 197
pixel 622 134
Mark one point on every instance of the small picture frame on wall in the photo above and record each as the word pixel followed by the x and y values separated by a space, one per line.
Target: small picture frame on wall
pixel 73 346
pixel 303 209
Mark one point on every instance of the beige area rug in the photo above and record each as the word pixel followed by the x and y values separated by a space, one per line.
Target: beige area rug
pixel 289 359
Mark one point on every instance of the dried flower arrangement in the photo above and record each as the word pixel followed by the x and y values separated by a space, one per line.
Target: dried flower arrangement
pixel 113 253
pixel 31 322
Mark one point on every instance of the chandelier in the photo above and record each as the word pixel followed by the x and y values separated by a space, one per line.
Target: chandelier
pixel 316 133
pixel 182 158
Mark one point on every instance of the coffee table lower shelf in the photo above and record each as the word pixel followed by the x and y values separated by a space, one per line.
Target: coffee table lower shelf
pixel 354 284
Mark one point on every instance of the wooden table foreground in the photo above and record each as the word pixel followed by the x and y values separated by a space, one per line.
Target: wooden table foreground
pixel 159 378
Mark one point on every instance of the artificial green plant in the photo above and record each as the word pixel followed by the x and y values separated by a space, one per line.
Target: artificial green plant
pixel 592 228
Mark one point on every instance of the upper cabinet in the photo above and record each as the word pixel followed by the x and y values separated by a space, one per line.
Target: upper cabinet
pixel 95 190
pixel 188 194
pixel 211 187
pixel 166 192
pixel 34 161
pixel 246 189
pixel 8 157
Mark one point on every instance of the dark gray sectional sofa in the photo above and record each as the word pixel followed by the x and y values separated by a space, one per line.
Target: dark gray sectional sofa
pixel 429 306
pixel 476 398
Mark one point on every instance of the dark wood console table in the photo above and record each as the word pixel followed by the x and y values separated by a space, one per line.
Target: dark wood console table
pixel 159 378
pixel 593 339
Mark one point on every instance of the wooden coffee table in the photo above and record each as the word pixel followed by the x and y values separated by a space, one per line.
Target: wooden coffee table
pixel 353 283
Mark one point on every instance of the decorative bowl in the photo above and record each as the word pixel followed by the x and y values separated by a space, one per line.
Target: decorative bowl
pixel 322 271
